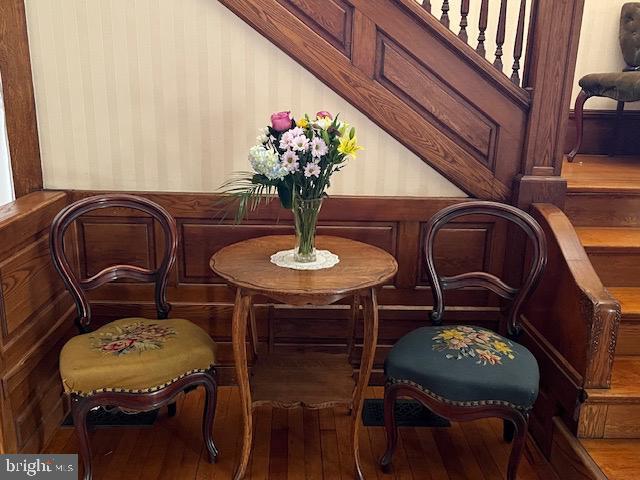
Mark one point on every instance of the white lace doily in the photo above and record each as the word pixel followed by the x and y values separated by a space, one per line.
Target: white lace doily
pixel 324 259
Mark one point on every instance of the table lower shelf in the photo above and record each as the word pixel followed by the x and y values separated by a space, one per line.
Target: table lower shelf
pixel 307 378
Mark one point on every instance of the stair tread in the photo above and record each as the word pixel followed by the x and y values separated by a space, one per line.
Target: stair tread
pixel 609 238
pixel 616 457
pixel 625 382
pixel 603 174
pixel 629 298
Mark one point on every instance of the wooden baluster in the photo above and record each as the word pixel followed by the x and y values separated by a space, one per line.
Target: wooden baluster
pixel 426 4
pixel 444 19
pixel 517 49
pixel 482 27
pixel 500 35
pixel 464 12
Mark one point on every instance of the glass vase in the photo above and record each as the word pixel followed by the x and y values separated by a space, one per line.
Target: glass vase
pixel 305 215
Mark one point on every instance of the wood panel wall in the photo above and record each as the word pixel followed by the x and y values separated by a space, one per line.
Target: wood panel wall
pixel 36 314
pixel 36 317
pixel 394 224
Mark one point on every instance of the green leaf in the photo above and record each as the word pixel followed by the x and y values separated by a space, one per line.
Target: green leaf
pixel 284 192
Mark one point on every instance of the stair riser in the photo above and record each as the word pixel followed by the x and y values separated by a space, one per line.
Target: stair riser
pixel 603 209
pixel 620 420
pixel 628 342
pixel 617 269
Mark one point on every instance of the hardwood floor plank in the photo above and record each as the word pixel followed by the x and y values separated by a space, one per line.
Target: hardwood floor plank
pixel 432 454
pixel 297 444
pixel 295 449
pixel 415 455
pixel 343 434
pixel 260 455
pixel 312 445
pixel 477 445
pixel 464 454
pixel 378 442
pixel 329 442
pixel 278 452
pixel 449 454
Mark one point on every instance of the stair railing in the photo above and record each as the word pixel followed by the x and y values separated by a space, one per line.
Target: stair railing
pixel 483 12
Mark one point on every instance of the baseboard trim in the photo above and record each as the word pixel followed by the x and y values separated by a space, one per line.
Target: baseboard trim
pixel 598 133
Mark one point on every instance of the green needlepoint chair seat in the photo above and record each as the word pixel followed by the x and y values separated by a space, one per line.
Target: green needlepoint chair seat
pixel 620 86
pixel 462 364
pixel 134 355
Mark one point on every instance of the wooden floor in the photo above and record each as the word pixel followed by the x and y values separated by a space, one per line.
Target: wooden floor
pixel 295 445
pixel 598 173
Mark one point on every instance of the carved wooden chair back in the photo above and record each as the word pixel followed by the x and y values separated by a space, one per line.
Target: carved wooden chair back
pixel 515 297
pixel 79 286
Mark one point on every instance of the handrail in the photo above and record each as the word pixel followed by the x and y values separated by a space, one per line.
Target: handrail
pixel 571 308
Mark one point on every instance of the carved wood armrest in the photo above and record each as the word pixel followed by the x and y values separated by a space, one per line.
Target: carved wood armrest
pixel 571 309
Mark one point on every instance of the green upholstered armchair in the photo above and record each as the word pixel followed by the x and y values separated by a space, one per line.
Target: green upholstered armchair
pixel 621 86
pixel 463 372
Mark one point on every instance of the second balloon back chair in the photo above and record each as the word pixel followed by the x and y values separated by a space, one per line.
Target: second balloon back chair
pixel 464 372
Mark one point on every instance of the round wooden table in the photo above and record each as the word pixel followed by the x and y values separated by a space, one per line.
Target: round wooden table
pixel 307 379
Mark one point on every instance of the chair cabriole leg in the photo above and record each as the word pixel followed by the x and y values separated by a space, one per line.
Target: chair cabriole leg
pixel 579 121
pixel 521 424
pixel 79 411
pixel 209 415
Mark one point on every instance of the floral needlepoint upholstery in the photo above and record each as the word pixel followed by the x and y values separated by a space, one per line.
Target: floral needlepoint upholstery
pixel 134 354
pixel 465 364
pixel 133 337
pixel 469 342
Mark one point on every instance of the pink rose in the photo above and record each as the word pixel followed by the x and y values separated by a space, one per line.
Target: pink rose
pixel 118 345
pixel 281 121
pixel 323 114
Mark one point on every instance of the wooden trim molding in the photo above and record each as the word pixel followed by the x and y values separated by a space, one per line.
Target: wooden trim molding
pixel 599 133
pixel 19 102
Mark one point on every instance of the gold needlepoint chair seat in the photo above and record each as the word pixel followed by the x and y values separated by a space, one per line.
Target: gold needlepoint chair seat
pixel 135 355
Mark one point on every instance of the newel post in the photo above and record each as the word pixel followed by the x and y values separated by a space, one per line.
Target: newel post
pixel 552 49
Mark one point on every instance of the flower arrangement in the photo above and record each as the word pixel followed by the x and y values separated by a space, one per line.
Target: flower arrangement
pixel 296 160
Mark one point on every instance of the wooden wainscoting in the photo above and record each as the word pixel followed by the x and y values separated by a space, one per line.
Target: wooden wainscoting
pixel 36 317
pixel 393 224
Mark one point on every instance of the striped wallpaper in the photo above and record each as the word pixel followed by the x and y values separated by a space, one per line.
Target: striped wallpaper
pixel 167 95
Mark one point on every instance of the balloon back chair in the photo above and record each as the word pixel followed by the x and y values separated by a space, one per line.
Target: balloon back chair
pixel 134 364
pixel 462 372
pixel 620 86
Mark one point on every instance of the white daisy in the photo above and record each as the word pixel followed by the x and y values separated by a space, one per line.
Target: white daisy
pixel 318 147
pixel 290 161
pixel 301 143
pixel 312 170
pixel 286 141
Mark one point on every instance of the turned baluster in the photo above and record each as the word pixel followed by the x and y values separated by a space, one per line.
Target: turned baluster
pixel 444 19
pixel 500 35
pixel 464 13
pixel 426 4
pixel 517 49
pixel 482 27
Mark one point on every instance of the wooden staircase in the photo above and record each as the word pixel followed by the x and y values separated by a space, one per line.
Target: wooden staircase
pixel 442 94
pixel 603 202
